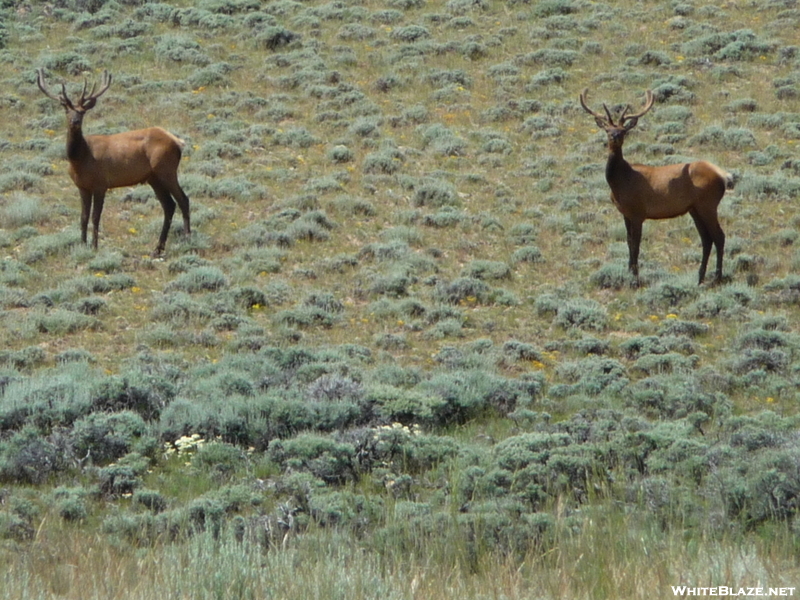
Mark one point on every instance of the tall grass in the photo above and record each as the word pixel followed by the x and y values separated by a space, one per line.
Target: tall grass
pixel 605 554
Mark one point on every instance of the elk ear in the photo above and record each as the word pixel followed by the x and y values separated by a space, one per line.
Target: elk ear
pixel 601 123
pixel 631 123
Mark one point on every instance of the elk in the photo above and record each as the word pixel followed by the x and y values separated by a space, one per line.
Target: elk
pixel 642 192
pixel 98 163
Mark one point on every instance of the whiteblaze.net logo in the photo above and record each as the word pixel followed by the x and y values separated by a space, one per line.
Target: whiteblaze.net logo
pixel 722 590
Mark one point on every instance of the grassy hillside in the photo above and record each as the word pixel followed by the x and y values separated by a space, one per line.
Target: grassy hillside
pixel 400 355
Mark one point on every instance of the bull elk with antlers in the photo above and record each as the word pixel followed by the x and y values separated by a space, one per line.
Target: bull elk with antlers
pixel 98 163
pixel 641 192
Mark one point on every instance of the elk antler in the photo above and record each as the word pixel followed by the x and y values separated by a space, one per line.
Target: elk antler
pixel 602 122
pixel 589 110
pixel 62 98
pixel 83 103
pixel 649 99
pixel 92 95
pixel 625 120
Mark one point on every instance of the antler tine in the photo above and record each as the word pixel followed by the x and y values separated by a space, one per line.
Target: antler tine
pixel 649 99
pixel 82 99
pixel 608 112
pixel 40 83
pixel 103 86
pixel 589 110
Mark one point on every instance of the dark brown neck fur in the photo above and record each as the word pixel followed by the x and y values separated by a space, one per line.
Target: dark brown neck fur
pixel 76 143
pixel 616 166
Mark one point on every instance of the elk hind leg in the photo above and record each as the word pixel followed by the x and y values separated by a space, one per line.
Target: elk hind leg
pixel 168 205
pixel 183 203
pixel 711 234
pixel 168 179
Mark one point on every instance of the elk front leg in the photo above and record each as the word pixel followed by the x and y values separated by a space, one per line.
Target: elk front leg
pixel 86 209
pixel 97 211
pixel 634 230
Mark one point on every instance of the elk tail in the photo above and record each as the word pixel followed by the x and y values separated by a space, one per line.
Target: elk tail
pixel 728 178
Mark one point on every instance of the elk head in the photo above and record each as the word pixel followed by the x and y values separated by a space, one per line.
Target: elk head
pixel 75 109
pixel 616 131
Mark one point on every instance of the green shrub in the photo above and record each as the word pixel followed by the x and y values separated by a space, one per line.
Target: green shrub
pixel 592 375
pixel 410 33
pixel 24 359
pixel 486 269
pixel 199 279
pixel 62 322
pixel 22 209
pixel 551 57
pixel 75 355
pixel 679 327
pixel 613 276
pixel 731 301
pixel 471 393
pixel 15 527
pixel 528 254
pixel 219 457
pixel 767 490
pixel 180 48
pixel 105 437
pixel 670 293
pixel 737 138
pixel 28 457
pixel 144 394
pixel 464 290
pixel 123 476
pixel 150 499
pixel 669 362
pixel 41 246
pixel 71 503
pixel 345 510
pixel 541 126
pixel 582 314
pixel 675 396
pixel 399 405
pixel 516 350
pixel 323 457
pixel 340 154
pixel 448 216
pixel 99 284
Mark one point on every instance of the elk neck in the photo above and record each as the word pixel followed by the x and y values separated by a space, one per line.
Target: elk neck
pixel 617 168
pixel 77 147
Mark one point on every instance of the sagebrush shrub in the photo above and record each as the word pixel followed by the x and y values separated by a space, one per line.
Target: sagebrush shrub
pixel 592 375
pixel 323 457
pixel 464 290
pixel 109 436
pixel 199 279
pixel 486 269
pixel 582 314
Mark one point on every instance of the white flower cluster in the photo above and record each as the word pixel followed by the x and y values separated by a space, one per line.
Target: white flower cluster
pixel 185 444
pixel 395 429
